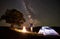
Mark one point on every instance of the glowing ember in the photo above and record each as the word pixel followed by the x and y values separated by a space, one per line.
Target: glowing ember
pixel 24 29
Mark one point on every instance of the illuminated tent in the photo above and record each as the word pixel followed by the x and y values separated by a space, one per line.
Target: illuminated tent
pixel 45 30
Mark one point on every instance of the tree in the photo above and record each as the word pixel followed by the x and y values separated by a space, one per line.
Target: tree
pixel 13 17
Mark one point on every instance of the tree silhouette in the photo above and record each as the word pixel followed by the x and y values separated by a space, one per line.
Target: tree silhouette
pixel 13 17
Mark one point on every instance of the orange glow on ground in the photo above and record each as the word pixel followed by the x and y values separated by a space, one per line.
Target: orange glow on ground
pixel 23 30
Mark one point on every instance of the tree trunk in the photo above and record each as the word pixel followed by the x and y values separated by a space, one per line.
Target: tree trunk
pixel 12 25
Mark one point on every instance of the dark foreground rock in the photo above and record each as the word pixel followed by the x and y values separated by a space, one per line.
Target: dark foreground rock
pixel 7 33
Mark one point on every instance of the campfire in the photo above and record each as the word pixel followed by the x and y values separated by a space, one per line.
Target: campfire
pixel 24 29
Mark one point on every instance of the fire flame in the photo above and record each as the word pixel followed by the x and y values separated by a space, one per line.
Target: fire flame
pixel 24 29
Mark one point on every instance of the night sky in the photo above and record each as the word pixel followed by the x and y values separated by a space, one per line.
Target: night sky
pixel 47 12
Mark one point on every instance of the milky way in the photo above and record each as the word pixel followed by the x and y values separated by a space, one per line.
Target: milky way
pixel 45 11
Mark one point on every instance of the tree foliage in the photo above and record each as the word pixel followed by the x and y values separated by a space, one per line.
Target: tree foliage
pixel 13 16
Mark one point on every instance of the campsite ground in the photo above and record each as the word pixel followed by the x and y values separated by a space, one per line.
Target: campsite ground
pixel 7 33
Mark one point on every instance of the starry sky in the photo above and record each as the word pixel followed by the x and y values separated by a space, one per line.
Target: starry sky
pixel 47 12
